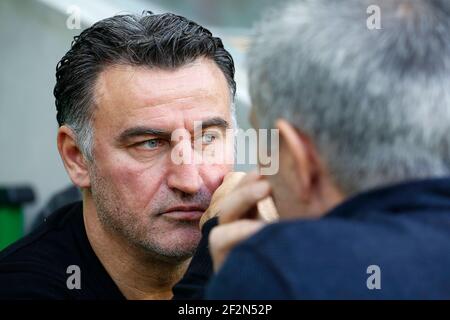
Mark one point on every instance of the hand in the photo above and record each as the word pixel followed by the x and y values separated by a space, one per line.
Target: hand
pixel 230 181
pixel 225 237
pixel 266 207
pixel 242 212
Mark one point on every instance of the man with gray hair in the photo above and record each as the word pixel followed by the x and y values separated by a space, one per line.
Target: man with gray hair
pixel 364 125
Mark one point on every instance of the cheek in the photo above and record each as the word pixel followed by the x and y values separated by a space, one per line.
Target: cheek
pixel 135 183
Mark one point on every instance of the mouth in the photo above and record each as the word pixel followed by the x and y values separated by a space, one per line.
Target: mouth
pixel 185 213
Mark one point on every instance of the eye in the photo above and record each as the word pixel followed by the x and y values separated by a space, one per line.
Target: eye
pixel 152 143
pixel 209 138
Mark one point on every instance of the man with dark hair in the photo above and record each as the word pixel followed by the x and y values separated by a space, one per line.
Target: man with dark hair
pixel 127 83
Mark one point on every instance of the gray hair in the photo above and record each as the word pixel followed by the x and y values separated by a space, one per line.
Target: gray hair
pixel 376 103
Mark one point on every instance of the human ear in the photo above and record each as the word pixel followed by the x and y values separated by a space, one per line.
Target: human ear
pixel 73 159
pixel 300 158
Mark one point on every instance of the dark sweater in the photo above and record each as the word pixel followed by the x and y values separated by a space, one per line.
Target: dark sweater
pixel 38 266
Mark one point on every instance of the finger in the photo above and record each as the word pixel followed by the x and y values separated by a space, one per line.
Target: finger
pixel 234 175
pixel 267 210
pixel 229 183
pixel 224 238
pixel 227 235
pixel 233 180
pixel 249 178
pixel 242 200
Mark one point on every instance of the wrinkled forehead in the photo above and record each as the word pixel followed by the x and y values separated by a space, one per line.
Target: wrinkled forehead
pixel 133 95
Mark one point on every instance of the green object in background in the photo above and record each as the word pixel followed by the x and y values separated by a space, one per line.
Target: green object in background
pixel 11 225
pixel 11 213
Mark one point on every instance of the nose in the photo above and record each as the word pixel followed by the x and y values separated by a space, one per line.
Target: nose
pixel 185 178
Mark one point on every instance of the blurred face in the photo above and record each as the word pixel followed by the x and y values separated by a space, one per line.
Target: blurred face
pixel 139 191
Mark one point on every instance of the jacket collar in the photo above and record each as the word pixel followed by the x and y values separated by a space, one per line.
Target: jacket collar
pixel 404 197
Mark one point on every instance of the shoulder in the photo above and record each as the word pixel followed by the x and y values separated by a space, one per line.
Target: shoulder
pixel 362 233
pixel 47 238
pixel 30 280
pixel 35 266
pixel 343 244
pixel 332 256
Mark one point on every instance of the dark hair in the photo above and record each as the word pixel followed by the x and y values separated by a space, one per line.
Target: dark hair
pixel 154 40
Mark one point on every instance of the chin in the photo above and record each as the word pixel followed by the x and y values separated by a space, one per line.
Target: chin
pixel 177 244
pixel 185 239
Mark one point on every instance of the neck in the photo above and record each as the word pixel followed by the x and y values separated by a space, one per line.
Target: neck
pixel 326 197
pixel 330 197
pixel 137 273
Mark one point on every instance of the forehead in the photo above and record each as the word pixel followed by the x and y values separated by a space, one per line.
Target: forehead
pixel 134 95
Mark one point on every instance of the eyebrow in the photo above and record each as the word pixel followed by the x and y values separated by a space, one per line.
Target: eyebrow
pixel 142 131
pixel 213 122
pixel 146 131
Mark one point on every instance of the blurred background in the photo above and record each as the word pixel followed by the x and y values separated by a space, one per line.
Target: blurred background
pixel 34 35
